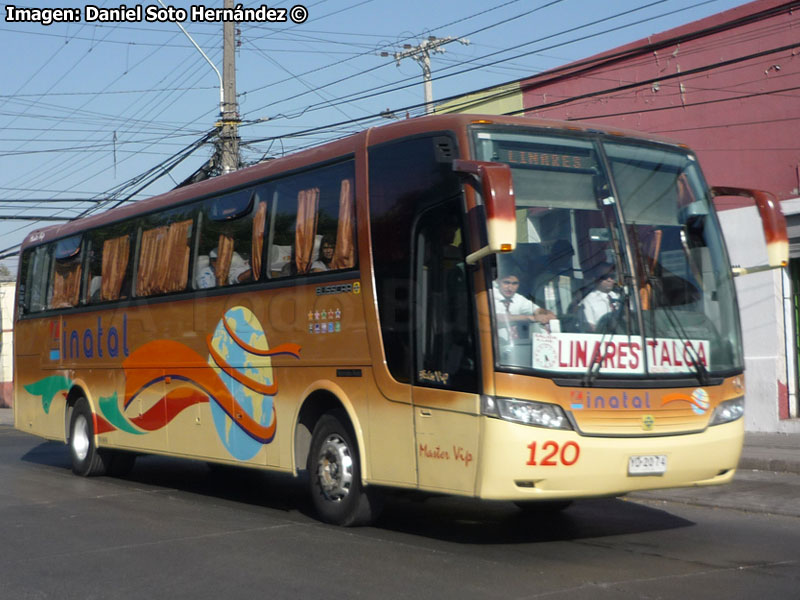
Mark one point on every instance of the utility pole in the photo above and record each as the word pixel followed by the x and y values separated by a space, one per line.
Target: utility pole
pixel 228 145
pixel 226 154
pixel 422 54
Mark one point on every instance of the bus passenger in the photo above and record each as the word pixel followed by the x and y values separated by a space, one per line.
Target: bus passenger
pixel 240 270
pixel 323 262
pixel 95 285
pixel 514 311
pixel 206 277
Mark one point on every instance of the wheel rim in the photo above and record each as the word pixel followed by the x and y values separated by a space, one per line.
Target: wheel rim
pixel 80 437
pixel 335 468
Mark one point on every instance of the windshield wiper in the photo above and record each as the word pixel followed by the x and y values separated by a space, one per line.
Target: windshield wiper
pixel 703 376
pixel 610 324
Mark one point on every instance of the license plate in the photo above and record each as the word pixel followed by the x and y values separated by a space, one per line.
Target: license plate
pixel 649 464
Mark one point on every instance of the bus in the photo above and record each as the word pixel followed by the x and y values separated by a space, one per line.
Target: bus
pixel 336 314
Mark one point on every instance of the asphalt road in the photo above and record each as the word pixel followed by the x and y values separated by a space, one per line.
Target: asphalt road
pixel 175 529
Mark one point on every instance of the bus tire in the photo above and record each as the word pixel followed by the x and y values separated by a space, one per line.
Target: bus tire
pixel 335 475
pixel 87 459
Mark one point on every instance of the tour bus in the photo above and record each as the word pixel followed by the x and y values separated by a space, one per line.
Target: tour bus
pixel 338 314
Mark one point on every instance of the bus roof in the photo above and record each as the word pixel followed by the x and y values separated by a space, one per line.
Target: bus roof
pixel 324 152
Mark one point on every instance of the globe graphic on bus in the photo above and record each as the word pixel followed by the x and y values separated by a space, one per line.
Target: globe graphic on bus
pixel 242 326
pixel 701 402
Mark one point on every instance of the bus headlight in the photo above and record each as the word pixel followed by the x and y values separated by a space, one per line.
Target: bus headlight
pixel 527 412
pixel 728 411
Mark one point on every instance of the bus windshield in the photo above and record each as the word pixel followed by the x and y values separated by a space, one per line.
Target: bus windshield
pixel 620 269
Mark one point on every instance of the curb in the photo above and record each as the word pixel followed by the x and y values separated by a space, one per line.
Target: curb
pixel 777 465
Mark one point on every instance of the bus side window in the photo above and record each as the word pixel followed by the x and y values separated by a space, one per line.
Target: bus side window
pixel 337 250
pixel 313 222
pixel 405 178
pixel 282 226
pixel 164 250
pixel 224 255
pixel 35 269
pixel 66 276
pixel 109 267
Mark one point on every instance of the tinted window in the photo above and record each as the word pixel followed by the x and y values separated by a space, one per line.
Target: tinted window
pixel 226 249
pixel 312 221
pixel 67 271
pixel 405 178
pixel 34 277
pixel 165 242
pixel 109 263
pixel 445 342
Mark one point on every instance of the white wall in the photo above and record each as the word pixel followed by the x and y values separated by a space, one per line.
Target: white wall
pixel 765 323
pixel 7 289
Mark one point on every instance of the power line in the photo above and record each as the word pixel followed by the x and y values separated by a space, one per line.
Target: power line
pixel 379 90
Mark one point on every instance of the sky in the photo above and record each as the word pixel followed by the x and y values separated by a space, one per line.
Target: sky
pixel 94 113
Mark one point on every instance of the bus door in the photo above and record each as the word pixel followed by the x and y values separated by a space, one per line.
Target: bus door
pixel 444 373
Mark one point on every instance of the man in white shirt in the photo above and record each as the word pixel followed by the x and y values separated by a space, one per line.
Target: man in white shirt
pixel 602 300
pixel 514 311
pixel 206 277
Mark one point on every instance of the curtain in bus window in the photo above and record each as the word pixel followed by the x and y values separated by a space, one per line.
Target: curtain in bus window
pixel 115 263
pixel 152 246
pixel 306 228
pixel 224 256
pixel 259 224
pixel 66 285
pixel 178 256
pixel 344 255
pixel 164 259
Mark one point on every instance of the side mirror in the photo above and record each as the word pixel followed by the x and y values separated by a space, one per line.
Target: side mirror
pixel 497 191
pixel 772 221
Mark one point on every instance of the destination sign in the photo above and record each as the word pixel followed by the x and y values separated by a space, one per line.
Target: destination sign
pixel 575 352
pixel 531 158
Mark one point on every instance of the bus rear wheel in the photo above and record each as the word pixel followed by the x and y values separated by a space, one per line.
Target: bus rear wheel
pixel 335 475
pixel 87 459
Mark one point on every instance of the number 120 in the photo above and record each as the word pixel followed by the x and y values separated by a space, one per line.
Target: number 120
pixel 553 454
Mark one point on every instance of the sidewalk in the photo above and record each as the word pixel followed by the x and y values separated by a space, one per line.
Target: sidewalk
pixel 776 452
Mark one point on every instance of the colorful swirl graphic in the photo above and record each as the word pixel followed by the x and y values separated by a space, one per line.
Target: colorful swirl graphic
pixel 699 400
pixel 239 385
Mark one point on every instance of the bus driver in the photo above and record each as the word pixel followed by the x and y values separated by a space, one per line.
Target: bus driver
pixel 514 311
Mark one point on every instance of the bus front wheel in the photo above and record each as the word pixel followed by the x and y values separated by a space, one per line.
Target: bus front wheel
pixel 87 459
pixel 335 475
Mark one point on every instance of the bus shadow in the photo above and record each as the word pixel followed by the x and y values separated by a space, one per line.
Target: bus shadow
pixel 442 518
pixel 470 521
pixel 275 491
pixel 49 454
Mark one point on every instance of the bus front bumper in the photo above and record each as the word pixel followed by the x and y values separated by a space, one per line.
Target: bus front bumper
pixel 522 463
